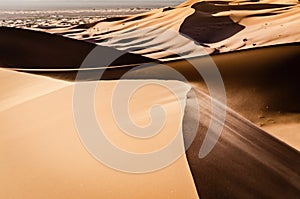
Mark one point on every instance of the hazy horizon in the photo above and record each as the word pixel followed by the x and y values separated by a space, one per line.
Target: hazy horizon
pixel 65 4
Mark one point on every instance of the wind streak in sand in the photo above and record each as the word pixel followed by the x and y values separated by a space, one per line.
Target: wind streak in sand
pixel 245 163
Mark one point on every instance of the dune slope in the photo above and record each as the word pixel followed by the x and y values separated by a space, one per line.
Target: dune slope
pixel 261 84
pixel 33 49
pixel 42 155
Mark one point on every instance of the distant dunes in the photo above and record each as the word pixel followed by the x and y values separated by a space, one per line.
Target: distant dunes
pixel 183 32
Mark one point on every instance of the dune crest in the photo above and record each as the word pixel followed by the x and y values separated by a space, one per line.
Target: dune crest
pixel 21 87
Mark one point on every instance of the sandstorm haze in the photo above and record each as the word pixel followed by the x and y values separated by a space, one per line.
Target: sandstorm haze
pixel 56 4
pixel 55 13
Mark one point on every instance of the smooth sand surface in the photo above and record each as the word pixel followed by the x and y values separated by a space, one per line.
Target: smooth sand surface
pixel 16 90
pixel 43 157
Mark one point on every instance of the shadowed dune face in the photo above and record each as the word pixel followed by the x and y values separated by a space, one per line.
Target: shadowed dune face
pixel 31 49
pixel 245 163
pixel 38 50
pixel 204 27
pixel 272 79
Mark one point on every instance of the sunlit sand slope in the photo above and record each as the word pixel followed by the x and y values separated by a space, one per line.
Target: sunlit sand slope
pixel 42 155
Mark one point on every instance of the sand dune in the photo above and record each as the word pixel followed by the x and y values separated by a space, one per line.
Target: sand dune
pixel 255 46
pixel 42 156
pixel 260 86
pixel 246 160
pixel 197 27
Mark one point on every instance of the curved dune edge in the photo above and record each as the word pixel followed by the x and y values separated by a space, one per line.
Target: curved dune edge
pixel 41 148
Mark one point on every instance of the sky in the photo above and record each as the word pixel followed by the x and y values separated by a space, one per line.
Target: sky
pixel 35 4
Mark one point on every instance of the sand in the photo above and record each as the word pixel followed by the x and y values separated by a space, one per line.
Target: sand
pixel 29 52
pixel 246 162
pixel 42 155
pixel 246 159
pixel 254 45
pixel 214 27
